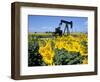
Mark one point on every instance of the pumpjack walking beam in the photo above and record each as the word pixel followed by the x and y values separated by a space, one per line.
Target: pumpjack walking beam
pixel 67 23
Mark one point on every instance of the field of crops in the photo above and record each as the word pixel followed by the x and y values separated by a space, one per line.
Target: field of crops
pixel 45 49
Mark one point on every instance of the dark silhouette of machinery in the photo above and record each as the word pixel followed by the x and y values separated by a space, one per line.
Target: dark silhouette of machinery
pixel 58 29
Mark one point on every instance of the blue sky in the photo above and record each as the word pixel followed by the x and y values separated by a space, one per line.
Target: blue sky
pixel 40 23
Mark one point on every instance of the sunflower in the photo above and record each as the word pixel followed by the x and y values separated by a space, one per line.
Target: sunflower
pixel 47 53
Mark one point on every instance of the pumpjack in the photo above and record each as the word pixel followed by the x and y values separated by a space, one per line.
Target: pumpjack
pixel 58 29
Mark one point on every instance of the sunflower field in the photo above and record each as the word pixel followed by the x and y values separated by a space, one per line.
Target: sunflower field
pixel 60 50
